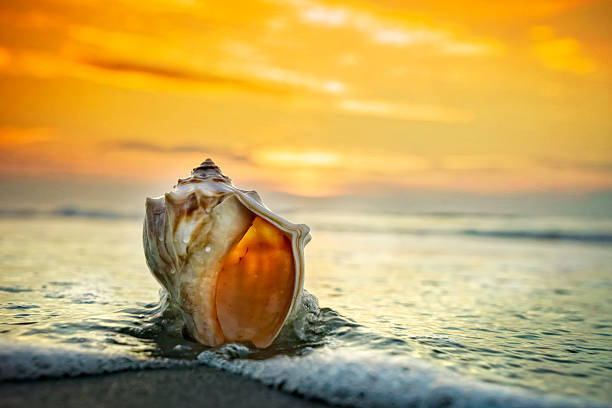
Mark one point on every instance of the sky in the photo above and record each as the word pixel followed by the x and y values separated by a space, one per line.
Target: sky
pixel 310 98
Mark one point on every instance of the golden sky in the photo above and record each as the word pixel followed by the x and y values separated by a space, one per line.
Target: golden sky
pixel 311 97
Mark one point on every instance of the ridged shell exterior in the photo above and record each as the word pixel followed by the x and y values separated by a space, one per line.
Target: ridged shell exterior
pixel 188 231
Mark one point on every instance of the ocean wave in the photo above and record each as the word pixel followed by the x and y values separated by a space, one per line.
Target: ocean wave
pixel 594 237
pixel 439 228
pixel 471 214
pixel 341 377
pixel 72 211
pixel 19 361
pixel 312 358
pixel 69 211
pixel 360 378
pixel 545 234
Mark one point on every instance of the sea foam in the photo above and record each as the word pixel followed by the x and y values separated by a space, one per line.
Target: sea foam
pixel 19 361
pixel 340 377
pixel 370 379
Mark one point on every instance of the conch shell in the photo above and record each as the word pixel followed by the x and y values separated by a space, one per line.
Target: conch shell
pixel 234 268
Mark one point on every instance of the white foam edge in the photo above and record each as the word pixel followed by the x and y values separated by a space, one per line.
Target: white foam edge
pixel 359 378
pixel 21 361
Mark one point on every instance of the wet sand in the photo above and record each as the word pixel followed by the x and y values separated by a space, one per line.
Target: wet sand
pixel 193 387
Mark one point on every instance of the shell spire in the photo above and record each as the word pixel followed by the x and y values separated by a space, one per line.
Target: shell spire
pixel 208 168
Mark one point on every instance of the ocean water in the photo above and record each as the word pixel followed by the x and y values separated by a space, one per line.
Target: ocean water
pixel 441 309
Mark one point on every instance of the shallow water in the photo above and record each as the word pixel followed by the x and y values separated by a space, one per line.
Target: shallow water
pixel 409 304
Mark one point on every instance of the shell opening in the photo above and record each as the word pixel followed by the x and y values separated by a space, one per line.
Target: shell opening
pixel 255 285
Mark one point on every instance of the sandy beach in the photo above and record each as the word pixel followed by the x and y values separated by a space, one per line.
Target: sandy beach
pixel 194 387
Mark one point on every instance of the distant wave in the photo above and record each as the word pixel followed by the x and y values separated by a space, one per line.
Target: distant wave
pixel 549 235
pixel 18 212
pixel 67 212
pixel 596 237
pixel 460 214
pixel 71 211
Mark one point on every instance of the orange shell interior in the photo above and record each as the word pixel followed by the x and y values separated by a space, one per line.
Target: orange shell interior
pixel 255 285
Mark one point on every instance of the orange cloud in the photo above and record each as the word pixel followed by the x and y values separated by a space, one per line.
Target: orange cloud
pixel 561 54
pixel 481 10
pixel 405 111
pixel 392 31
pixel 12 137
pixel 5 57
